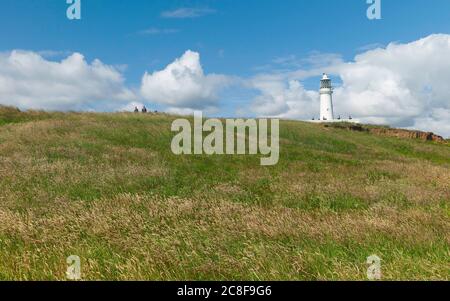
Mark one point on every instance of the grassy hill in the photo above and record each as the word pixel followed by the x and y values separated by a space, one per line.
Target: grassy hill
pixel 106 187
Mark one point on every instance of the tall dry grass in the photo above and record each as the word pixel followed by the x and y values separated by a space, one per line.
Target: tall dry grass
pixel 106 187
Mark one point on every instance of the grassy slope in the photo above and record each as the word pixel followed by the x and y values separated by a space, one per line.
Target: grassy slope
pixel 107 188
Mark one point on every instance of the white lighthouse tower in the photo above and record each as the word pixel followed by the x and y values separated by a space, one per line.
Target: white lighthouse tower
pixel 326 99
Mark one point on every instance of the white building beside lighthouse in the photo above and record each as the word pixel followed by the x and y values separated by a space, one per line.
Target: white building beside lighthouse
pixel 326 99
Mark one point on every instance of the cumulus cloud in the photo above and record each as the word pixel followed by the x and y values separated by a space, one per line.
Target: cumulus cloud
pixel 130 107
pixel 281 99
pixel 404 85
pixel 436 121
pixel 29 81
pixel 400 84
pixel 183 84
pixel 180 111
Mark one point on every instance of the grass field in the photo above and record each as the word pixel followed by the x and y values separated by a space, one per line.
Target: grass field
pixel 106 187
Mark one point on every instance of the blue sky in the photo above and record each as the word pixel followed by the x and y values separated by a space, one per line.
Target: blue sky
pixel 241 39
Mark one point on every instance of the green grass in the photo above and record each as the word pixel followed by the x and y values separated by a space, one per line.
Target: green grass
pixel 106 187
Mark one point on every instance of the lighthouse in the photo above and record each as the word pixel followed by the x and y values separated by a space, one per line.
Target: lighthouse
pixel 326 99
pixel 326 104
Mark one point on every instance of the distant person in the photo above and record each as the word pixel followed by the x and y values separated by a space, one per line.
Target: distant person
pixel 314 119
pixel 350 117
pixel 144 110
pixel 339 118
pixel 136 110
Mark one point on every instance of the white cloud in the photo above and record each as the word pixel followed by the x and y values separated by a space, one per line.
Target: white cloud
pixel 437 121
pixel 404 85
pixel 281 99
pixel 130 107
pixel 180 111
pixel 29 81
pixel 371 46
pixel 399 84
pixel 187 12
pixel 183 84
